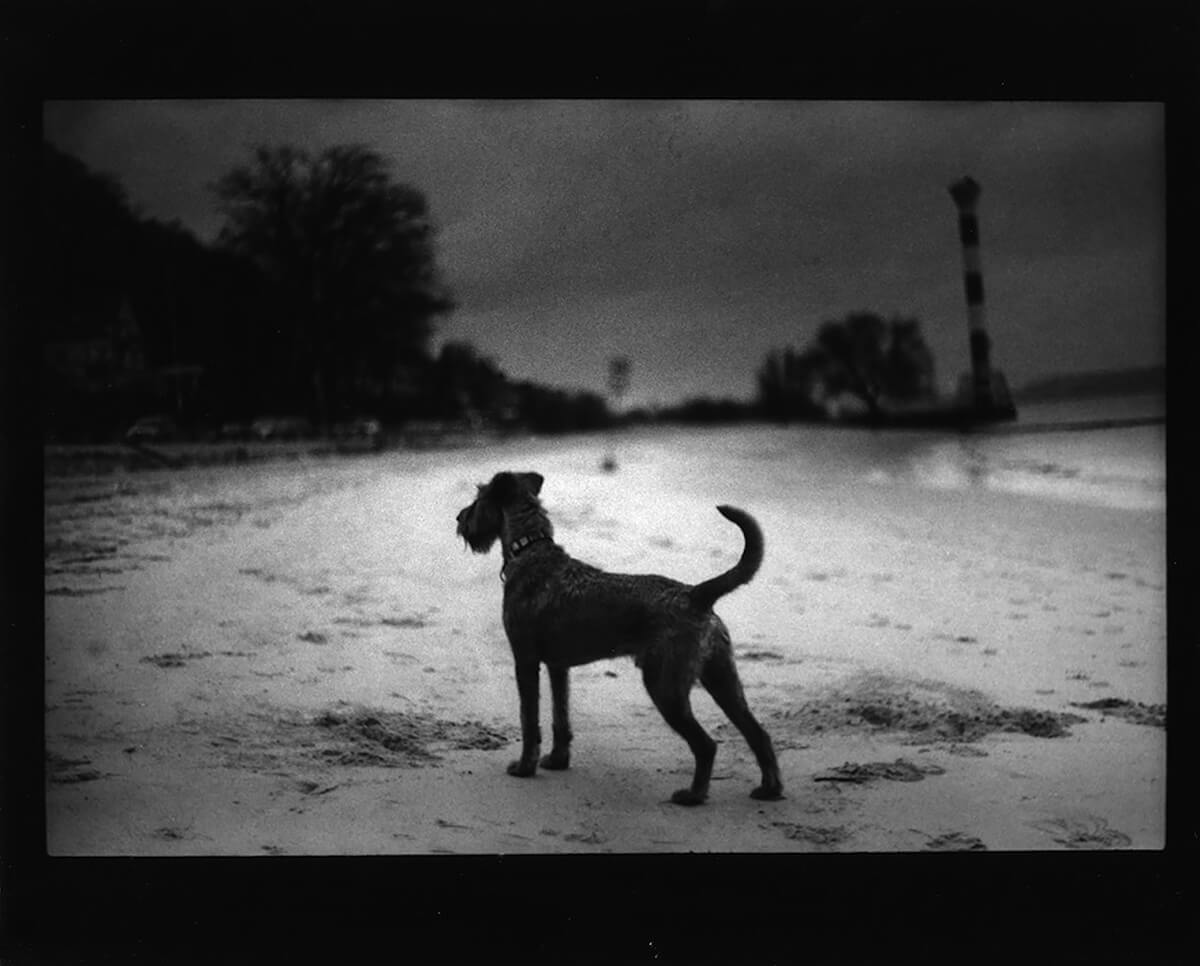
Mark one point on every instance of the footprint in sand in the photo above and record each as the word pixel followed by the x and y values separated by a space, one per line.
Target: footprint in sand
pixel 759 654
pixel 966 751
pixel 412 620
pixel 826 835
pixel 76 777
pixel 587 838
pixel 78 591
pixel 900 770
pixel 258 572
pixel 955 842
pixel 353 621
pixel 1135 712
pixel 1090 833
pixel 173 833
pixel 442 823
pixel 308 787
pixel 170 660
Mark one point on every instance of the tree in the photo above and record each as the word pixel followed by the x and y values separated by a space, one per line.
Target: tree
pixel 350 254
pixel 860 354
pixel 84 240
pixel 872 359
pixel 910 370
pixel 465 383
pixel 788 385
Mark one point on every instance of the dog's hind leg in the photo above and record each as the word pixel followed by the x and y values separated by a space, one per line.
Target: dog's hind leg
pixel 560 752
pixel 720 678
pixel 669 691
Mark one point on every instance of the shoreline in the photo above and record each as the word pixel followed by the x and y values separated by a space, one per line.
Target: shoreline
pixel 65 459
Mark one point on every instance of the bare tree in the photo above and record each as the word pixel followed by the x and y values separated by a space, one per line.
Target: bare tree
pixel 351 254
pixel 870 358
pixel 861 354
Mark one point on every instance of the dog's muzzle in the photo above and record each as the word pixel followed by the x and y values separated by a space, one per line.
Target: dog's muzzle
pixel 462 518
pixel 467 529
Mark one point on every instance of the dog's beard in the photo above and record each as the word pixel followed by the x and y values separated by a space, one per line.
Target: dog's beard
pixel 479 540
pixel 478 545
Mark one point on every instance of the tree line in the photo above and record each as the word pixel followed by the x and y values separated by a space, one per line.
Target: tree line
pixel 320 298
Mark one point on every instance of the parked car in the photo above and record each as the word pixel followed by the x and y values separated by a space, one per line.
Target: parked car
pixel 152 429
pixel 280 427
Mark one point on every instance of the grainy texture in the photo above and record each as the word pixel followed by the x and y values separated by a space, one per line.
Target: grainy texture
pixel 200 623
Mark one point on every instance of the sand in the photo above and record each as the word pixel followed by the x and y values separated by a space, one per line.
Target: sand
pixel 301 658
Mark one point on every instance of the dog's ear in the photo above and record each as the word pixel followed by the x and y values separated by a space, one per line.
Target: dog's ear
pixel 506 486
pixel 503 487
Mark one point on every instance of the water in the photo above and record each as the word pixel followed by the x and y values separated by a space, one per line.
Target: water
pixel 1119 467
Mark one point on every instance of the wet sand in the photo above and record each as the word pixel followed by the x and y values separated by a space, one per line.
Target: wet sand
pixel 301 658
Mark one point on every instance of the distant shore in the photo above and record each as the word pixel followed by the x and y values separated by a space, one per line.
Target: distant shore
pixel 71 459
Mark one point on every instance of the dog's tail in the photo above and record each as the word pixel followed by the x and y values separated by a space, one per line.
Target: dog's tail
pixel 705 594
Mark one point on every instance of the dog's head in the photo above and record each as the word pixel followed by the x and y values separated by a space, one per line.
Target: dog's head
pixel 480 523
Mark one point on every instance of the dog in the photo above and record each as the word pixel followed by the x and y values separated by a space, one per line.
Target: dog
pixel 561 612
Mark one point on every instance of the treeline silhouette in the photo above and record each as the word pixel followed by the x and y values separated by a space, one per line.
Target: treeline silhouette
pixel 319 300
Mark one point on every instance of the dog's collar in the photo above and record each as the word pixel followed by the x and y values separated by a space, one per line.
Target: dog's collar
pixel 516 546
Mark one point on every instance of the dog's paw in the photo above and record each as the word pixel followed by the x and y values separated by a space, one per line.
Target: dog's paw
pixel 685 796
pixel 522 769
pixel 556 761
pixel 765 794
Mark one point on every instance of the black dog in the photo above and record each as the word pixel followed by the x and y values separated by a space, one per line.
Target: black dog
pixel 561 612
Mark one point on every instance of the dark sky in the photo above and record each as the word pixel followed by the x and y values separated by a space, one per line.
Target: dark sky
pixel 693 236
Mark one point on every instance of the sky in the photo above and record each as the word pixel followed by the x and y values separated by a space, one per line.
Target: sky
pixel 695 236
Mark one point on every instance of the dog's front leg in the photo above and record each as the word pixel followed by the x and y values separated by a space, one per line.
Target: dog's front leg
pixel 531 732
pixel 560 752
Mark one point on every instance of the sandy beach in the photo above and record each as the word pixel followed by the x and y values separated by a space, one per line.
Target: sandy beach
pixel 301 658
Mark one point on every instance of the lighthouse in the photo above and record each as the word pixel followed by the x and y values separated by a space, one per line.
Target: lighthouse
pixel 984 390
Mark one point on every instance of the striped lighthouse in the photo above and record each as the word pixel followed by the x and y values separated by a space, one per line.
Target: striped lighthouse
pixel 988 392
